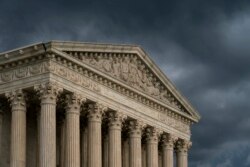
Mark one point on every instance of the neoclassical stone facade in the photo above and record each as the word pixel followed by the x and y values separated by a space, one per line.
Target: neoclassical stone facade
pixel 71 104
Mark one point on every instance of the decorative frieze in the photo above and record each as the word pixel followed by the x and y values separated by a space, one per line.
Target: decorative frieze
pixel 23 72
pixel 170 121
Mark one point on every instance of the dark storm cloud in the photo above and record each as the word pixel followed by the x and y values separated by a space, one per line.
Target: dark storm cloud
pixel 203 46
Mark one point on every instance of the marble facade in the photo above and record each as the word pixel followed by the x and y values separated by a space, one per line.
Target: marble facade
pixel 72 104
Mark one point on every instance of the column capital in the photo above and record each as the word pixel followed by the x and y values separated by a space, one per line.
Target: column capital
pixel 48 92
pixel 74 102
pixel 135 128
pixel 152 134
pixel 115 119
pixel 168 140
pixel 183 146
pixel 17 99
pixel 95 111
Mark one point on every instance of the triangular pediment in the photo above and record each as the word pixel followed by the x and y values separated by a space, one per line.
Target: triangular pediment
pixel 130 65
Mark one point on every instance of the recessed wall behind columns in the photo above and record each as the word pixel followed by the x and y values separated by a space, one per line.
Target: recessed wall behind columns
pixel 31 143
pixel 5 139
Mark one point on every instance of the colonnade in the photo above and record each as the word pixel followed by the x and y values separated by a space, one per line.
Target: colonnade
pixel 87 147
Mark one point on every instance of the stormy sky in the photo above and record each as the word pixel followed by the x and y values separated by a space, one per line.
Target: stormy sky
pixel 202 46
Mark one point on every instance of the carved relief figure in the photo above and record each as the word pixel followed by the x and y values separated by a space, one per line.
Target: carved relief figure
pixel 116 67
pixel 125 68
pixel 163 95
pixel 133 78
pixel 92 59
pixel 96 60
pixel 152 89
pixel 144 81
pixel 106 63
pixel 21 72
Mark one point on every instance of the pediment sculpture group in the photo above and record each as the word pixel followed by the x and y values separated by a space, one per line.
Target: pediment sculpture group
pixel 130 70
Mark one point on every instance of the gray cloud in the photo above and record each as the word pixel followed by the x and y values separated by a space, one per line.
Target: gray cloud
pixel 202 46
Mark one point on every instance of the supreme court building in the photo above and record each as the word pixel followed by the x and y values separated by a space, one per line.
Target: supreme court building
pixel 72 104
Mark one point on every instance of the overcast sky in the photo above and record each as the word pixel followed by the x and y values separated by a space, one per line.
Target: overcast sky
pixel 202 46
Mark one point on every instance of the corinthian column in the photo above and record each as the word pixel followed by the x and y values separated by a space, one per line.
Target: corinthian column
pixel 135 135
pixel 18 129
pixel 152 136
pixel 72 149
pixel 168 142
pixel 115 124
pixel 47 152
pixel 95 112
pixel 182 155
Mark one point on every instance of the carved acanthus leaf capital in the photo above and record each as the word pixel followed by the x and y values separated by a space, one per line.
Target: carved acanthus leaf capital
pixel 48 92
pixel 168 140
pixel 183 146
pixel 95 111
pixel 17 99
pixel 135 128
pixel 152 134
pixel 116 119
pixel 74 102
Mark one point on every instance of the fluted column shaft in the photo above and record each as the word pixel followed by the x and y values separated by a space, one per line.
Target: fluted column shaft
pixel 152 147
pixel 182 153
pixel 72 137
pixel 182 159
pixel 18 129
pixel 168 150
pixel 115 123
pixel 47 152
pixel 95 135
pixel 135 134
pixel 47 155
